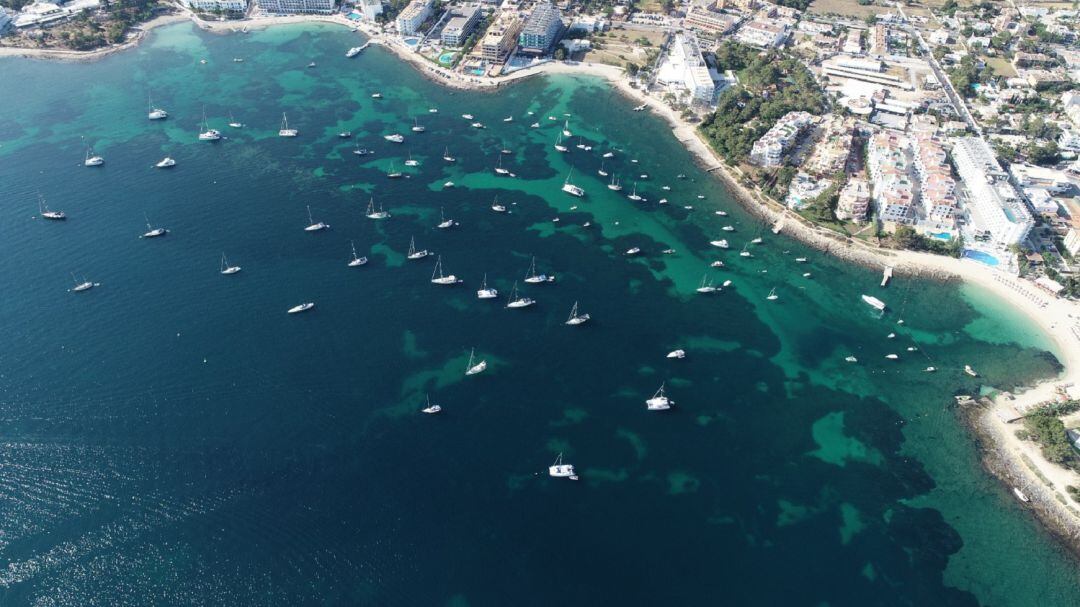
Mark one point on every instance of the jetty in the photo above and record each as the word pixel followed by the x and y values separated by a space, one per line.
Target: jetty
pixel 886 275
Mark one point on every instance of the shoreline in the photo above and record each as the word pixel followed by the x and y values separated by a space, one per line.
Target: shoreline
pixel 1007 458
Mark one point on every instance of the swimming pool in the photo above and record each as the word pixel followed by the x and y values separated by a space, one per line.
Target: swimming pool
pixel 981 257
pixel 446 58
pixel 946 236
pixel 412 41
pixel 478 72
pixel 354 16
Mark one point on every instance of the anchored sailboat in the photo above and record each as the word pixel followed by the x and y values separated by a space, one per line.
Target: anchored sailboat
pixel 561 470
pixel 372 213
pixel 486 292
pixel 575 318
pixel 413 253
pixel 515 301
pixel 570 188
pixel 285 131
pixel 356 260
pixel 659 402
pixel 438 278
pixel 227 269
pixel 473 367
pixel 533 278
pixel 314 226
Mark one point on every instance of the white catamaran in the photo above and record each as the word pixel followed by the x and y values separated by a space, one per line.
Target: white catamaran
pixel 561 470
pixel 285 131
pixel 570 188
pixel 659 402
pixel 486 292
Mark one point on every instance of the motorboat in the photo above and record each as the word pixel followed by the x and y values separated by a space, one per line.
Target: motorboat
pixel 632 251
pixel 677 354
pixel 354 51
pixel 477 125
pixel 970 371
pixel 851 359
pixel 344 134
pixel 716 264
pixel 376 95
pixel 394 138
pixel 165 163
pixel 876 303
pixel 304 307
pixel 728 228
pixel 892 356
pixel 720 244
pixel 468 116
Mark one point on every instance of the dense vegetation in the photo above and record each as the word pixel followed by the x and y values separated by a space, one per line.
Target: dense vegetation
pixel 771 84
pixel 1045 428
pixel 906 237
pixel 89 29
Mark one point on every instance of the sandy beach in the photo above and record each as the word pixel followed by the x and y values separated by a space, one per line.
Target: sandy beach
pixel 1017 463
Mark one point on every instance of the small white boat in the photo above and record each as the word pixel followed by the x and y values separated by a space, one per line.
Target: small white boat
pixel 151 231
pixel 930 369
pixel 891 336
pixel 477 125
pixel 716 264
pixel 632 251
pixel 508 119
pixel 706 286
pixel 533 278
pixel 155 113
pixel 394 138
pixel 376 95
pixel 756 240
pixel 1020 495
pixel 721 243
pixel 892 356
pixel 800 259
pixel 575 318
pixel 677 354
pixel 417 127
pixel 314 226
pixel 851 359
pixel 659 402
pixel 911 349
pixel 468 116
pixel 414 254
pixel 486 292
pixel 665 201
pixel 354 51
pixel 344 135
pixel 80 286
pixel 515 301
pixel 570 188
pixel 772 296
pixel 165 163
pixel 727 283
pixel 668 251
pixel 876 303
pixel 356 260
pixel 728 228
pixel 473 367
pixel 561 470
pixel 45 213
pixel 720 213
pixel 448 184
pixel 534 125
pixel 608 154
pixel 433 110
pixel 91 159
pixel 444 223
pixel 438 278
pixel 304 307
pixel 430 408
pixel 372 213
pixel 226 268
pixel 970 371
pixel 285 131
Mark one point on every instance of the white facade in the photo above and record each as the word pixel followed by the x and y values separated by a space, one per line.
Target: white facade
pixel 369 9
pixel 292 7
pixel 413 16
pixel 770 149
pixel 762 33
pixel 212 6
pixel 684 69
pixel 994 205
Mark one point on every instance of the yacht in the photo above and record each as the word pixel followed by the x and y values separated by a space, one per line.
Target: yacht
pixel 413 253
pixel 430 408
pixel 614 185
pixel 312 225
pixel 632 251
pixel 970 371
pixel 851 359
pixel 227 269
pixel 354 51
pixel 468 116
pixel 394 138
pixel 486 292
pixel 376 95
pixel 92 159
pixel 151 231
pixel 155 113
pixel 207 133
pixel 876 303
pixel 498 208
pixel 165 163
pixel 677 354
pixel 892 356
pixel 756 240
pixel 356 260
pixel 304 307
pixel 706 286
pixel 515 301
pixel 444 223
pixel 372 213
pixel 559 146
pixel 561 470
pixel 575 318
pixel 570 188
pixel 720 244
pixel 533 278
pixel 417 127
pixel 473 367
pixel 772 296
pixel 438 278
pixel 477 125
pixel 45 213
pixel 446 155
pixel 80 286
pixel 728 228
pixel 285 131
pixel 659 402
pixel 634 195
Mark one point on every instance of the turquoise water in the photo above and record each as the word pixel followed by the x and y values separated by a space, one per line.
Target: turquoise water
pixel 981 257
pixel 446 58
pixel 173 437
pixel 946 236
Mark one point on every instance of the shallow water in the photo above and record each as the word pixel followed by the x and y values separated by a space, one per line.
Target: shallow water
pixel 173 437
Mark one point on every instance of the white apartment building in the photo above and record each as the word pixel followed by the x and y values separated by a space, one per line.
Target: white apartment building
pixel 369 9
pixel 292 7
pixel 937 188
pixel 765 34
pixel 775 143
pixel 213 6
pixel 994 206
pixel 854 201
pixel 890 169
pixel 461 23
pixel 413 16
pixel 684 69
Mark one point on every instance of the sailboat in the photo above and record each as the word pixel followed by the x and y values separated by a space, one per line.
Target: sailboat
pixel 430 408
pixel 706 286
pixel 438 278
pixel 559 146
pixel 444 223
pixel 393 173
pixel 614 185
pixel 575 318
pixel 45 213
pixel 570 188
pixel 772 296
pixel 473 367
pixel 155 113
pixel 413 253
pixel 373 214
pixel 566 129
pixel 356 260
pixel 498 208
pixel 561 470
pixel 207 133
pixel 410 162
pixel 312 225
pixel 533 278
pixel 151 231
pixel 226 269
pixel 486 292
pixel 634 195
pixel 744 252
pixel 514 301
pixel 92 159
pixel 446 155
pixel 285 131
pixel 417 127
pixel 659 402
pixel 499 170
pixel 80 286
pixel 233 122
pixel 601 172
